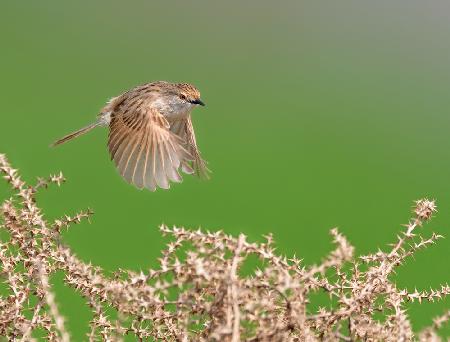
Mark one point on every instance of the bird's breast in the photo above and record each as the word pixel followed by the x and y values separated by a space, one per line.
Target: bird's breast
pixel 173 111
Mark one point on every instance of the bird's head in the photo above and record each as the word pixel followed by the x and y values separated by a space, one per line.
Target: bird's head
pixel 176 100
pixel 188 93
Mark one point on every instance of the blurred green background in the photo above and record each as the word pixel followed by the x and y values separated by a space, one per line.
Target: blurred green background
pixel 319 114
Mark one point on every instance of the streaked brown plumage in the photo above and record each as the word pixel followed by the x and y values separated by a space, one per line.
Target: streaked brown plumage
pixel 151 136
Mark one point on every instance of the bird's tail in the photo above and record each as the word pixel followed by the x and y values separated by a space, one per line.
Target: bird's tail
pixel 76 134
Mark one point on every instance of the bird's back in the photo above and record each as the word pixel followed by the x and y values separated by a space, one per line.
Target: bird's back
pixel 133 100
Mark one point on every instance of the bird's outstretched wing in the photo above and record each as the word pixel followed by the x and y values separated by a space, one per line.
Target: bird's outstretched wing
pixel 146 153
pixel 185 130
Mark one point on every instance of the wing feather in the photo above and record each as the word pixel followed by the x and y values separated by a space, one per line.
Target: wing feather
pixel 185 130
pixel 127 155
pixel 130 167
pixel 139 167
pixel 146 153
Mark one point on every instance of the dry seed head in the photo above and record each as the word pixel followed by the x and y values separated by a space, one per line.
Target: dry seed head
pixel 424 209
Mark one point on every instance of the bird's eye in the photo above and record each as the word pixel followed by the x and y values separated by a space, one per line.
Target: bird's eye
pixel 183 97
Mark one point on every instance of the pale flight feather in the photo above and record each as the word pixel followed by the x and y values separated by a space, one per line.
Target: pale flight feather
pixel 146 153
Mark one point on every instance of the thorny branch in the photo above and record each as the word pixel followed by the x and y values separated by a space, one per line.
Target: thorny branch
pixel 198 293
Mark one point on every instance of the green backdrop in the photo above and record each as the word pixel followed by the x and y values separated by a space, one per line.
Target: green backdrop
pixel 319 114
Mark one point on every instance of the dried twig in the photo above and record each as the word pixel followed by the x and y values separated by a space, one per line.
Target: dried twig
pixel 197 292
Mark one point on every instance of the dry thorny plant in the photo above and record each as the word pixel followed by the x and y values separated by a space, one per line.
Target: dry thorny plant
pixel 198 291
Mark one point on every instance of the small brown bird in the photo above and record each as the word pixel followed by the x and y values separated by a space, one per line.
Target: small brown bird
pixel 151 135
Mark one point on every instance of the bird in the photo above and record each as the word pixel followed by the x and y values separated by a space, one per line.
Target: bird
pixel 151 136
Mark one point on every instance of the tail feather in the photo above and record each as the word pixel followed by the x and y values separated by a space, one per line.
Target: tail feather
pixel 76 134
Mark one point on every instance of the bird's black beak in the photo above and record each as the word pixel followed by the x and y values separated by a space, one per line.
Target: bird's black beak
pixel 198 102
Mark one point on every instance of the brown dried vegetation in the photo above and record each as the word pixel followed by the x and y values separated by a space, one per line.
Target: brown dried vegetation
pixel 198 292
